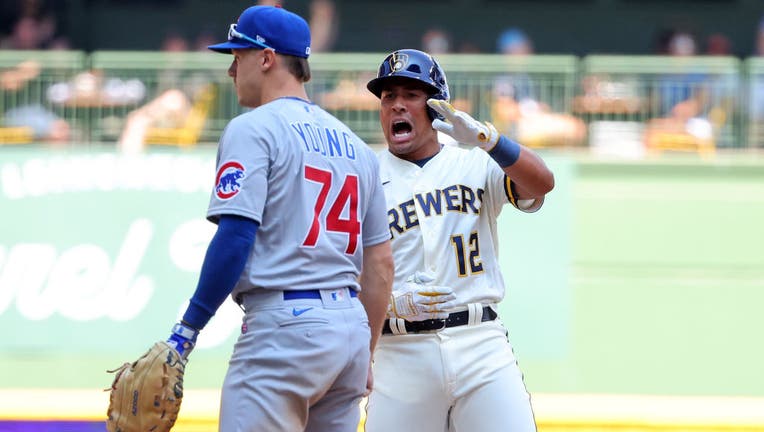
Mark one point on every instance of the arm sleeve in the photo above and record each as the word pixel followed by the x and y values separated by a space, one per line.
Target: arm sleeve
pixel 223 263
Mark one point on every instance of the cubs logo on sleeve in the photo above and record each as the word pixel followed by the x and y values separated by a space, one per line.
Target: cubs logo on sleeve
pixel 227 180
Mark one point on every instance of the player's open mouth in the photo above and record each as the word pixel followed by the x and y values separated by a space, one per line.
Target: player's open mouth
pixel 401 129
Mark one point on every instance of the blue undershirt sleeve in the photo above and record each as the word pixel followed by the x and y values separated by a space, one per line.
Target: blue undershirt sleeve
pixel 223 264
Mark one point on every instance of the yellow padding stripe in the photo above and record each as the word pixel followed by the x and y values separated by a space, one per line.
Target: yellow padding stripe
pixel 554 412
pixel 89 404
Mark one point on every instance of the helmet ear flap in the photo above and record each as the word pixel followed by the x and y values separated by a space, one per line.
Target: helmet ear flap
pixel 439 83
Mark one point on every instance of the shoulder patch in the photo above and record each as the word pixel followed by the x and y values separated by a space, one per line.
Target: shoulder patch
pixel 227 180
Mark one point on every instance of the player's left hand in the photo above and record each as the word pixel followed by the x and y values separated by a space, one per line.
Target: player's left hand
pixel 183 339
pixel 418 300
pixel 462 127
pixel 146 394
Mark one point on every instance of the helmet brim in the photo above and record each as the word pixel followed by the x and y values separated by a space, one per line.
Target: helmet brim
pixel 376 85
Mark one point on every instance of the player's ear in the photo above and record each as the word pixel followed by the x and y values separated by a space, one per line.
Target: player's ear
pixel 268 58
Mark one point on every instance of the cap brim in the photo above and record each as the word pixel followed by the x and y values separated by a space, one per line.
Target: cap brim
pixel 226 47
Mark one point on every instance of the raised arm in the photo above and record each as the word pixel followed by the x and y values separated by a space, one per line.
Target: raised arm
pixel 527 170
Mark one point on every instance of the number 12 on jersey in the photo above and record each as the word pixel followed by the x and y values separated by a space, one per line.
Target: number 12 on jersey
pixel 467 254
pixel 348 195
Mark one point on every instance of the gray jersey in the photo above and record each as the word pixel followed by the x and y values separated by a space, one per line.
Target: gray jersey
pixel 313 186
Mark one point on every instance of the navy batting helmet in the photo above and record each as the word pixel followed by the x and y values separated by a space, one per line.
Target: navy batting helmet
pixel 414 64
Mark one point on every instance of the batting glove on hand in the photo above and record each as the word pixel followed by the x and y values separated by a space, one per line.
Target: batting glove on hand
pixel 183 339
pixel 418 301
pixel 462 127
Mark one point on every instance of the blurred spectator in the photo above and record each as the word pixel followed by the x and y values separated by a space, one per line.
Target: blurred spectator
pixel 86 96
pixel 467 47
pixel 517 109
pixel 682 44
pixel 436 41
pixel 350 93
pixel 91 89
pixel 682 94
pixel 204 39
pixel 756 109
pixel 168 110
pixel 13 79
pixel 177 92
pixel 718 44
pixel 603 94
pixel 324 23
pixel 692 105
pixel 514 41
pixel 44 124
pixel 759 43
pixel 34 26
pixel 518 86
pixel 174 42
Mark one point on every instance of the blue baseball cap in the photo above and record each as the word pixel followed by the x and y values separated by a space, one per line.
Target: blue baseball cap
pixel 268 27
pixel 512 39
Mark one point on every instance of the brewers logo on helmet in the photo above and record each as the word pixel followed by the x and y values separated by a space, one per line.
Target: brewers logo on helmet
pixel 416 65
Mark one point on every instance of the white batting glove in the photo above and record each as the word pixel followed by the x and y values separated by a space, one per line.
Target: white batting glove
pixel 462 127
pixel 418 301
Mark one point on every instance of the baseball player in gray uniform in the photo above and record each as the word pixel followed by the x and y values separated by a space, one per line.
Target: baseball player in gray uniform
pixel 300 211
pixel 444 362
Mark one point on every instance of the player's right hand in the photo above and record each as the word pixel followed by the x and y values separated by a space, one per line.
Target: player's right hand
pixel 183 339
pixel 418 300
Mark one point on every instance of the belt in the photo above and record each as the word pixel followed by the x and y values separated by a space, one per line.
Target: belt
pixel 453 320
pixel 310 294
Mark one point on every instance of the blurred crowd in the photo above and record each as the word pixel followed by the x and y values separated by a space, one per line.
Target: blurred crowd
pixel 32 24
pixel 687 109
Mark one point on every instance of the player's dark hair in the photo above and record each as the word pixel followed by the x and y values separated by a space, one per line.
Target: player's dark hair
pixel 298 67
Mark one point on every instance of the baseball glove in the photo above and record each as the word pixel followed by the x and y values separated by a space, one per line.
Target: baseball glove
pixel 146 394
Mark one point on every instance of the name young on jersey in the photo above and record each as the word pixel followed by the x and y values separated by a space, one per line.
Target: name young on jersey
pixel 454 198
pixel 325 141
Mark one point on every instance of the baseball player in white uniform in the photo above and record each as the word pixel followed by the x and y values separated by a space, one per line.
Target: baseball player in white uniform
pixel 308 190
pixel 444 362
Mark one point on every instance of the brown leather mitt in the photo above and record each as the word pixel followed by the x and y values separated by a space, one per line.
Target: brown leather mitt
pixel 146 394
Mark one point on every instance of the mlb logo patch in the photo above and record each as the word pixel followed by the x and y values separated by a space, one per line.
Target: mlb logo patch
pixel 337 295
pixel 227 180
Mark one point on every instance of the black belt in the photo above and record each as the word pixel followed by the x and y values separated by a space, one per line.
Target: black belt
pixel 454 319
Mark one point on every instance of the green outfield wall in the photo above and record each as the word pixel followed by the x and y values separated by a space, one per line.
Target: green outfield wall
pixel 635 278
pixel 665 280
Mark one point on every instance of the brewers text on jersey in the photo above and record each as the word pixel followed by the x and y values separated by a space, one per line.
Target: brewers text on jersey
pixel 454 198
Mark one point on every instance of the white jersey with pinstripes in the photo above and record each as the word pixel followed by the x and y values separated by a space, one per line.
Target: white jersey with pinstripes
pixel 313 186
pixel 442 219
